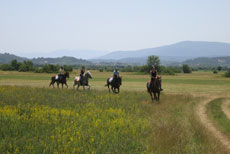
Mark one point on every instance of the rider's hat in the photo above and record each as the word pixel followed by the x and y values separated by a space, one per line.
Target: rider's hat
pixel 83 67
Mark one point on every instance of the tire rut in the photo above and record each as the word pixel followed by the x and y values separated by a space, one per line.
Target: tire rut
pixel 201 112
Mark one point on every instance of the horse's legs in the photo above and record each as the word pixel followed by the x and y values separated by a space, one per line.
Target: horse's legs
pixel 78 86
pixel 155 96
pixel 118 90
pixel 159 96
pixel 62 85
pixel 73 85
pixel 66 85
pixel 89 87
pixel 151 95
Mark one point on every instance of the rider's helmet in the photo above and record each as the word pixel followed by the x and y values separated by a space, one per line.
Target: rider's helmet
pixel 83 67
pixel 116 69
pixel 62 67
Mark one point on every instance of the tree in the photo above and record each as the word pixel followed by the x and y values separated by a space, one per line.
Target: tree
pixel 153 61
pixel 14 64
pixel 6 67
pixel 186 69
pixel 219 68
pixel 26 66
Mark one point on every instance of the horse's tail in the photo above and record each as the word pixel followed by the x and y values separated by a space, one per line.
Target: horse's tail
pixel 107 84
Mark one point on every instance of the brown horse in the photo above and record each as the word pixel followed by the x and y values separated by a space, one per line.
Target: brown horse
pixel 153 89
pixel 61 79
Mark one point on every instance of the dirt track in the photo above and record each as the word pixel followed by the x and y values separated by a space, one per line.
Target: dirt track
pixel 201 112
pixel 226 109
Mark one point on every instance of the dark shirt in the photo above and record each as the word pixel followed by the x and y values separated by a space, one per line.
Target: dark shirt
pixel 154 74
pixel 82 72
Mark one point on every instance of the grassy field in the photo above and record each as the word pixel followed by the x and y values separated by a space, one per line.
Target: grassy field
pixel 37 119
pixel 197 82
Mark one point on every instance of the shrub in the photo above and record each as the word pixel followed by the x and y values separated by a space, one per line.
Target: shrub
pixel 186 69
pixel 26 66
pixel 68 68
pixel 49 68
pixel 6 67
pixel 227 74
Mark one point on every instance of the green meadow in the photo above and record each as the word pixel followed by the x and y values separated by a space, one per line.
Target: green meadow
pixel 35 118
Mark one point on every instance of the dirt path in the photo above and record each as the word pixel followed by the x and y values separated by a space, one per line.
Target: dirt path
pixel 201 112
pixel 225 108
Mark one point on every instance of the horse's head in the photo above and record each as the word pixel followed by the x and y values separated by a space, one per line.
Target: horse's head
pixel 67 74
pixel 88 75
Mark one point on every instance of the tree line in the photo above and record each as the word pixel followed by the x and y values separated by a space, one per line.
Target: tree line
pixel 152 60
pixel 28 66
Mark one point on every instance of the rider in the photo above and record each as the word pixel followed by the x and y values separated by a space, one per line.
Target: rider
pixel 82 74
pixel 61 72
pixel 154 75
pixel 115 75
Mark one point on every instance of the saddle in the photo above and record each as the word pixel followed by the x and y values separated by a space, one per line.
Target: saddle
pixel 77 78
pixel 110 79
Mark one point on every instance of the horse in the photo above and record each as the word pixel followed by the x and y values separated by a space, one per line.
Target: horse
pixel 115 84
pixel 85 81
pixel 61 79
pixel 153 88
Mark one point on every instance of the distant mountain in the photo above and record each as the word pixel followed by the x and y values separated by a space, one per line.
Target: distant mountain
pixel 204 61
pixel 7 58
pixel 84 54
pixel 176 52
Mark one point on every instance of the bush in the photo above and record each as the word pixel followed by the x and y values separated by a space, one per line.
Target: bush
pixel 215 72
pixel 166 71
pixel 68 68
pixel 49 68
pixel 227 74
pixel 186 69
pixel 38 70
pixel 6 67
pixel 26 66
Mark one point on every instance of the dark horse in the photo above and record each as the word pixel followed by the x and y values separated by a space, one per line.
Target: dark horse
pixel 61 79
pixel 153 89
pixel 85 81
pixel 115 84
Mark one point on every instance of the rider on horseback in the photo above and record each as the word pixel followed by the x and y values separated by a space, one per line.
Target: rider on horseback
pixel 61 72
pixel 154 75
pixel 82 73
pixel 115 75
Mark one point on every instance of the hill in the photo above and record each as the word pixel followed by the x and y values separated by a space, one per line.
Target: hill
pixel 176 52
pixel 7 58
pixel 204 61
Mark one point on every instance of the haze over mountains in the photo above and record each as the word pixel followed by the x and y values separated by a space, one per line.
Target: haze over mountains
pixel 176 52
pixel 169 54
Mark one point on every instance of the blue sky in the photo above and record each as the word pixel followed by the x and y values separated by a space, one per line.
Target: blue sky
pixel 108 25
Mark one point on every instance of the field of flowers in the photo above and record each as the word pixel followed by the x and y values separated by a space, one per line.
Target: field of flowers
pixel 34 120
pixel 38 119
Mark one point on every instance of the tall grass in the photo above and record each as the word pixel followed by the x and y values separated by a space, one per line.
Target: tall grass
pixel 218 116
pixel 38 120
